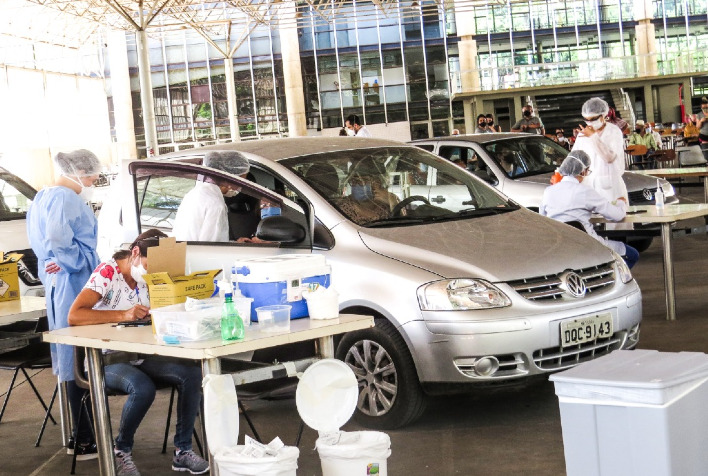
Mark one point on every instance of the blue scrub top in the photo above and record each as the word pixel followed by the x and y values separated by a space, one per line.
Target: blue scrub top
pixel 62 229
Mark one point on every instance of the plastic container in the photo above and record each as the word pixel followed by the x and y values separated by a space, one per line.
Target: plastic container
pixel 322 304
pixel 326 398
pixel 274 318
pixel 231 462
pixel 355 453
pixel 659 195
pixel 200 324
pixel 243 306
pixel 281 280
pixel 635 413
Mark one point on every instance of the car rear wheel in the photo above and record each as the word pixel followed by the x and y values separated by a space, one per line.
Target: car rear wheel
pixel 390 395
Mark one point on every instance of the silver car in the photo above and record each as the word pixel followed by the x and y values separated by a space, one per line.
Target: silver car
pixel 468 289
pixel 535 159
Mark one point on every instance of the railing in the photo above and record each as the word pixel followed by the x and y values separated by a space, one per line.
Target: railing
pixel 602 69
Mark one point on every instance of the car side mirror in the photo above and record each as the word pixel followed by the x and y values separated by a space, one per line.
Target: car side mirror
pixel 281 229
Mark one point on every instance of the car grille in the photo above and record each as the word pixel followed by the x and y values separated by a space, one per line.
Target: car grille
pixel 557 358
pixel 547 288
pixel 638 198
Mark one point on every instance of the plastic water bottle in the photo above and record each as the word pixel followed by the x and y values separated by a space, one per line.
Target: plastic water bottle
pixel 659 196
pixel 231 323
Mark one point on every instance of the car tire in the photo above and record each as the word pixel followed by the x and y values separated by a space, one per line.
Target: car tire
pixel 390 395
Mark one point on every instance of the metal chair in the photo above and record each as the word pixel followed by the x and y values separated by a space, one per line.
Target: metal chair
pixel 24 351
pixel 82 381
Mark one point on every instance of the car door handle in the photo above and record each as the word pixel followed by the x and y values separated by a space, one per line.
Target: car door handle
pixel 438 199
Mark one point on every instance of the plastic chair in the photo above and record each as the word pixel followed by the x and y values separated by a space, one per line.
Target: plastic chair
pixel 32 356
pixel 82 381
pixel 691 156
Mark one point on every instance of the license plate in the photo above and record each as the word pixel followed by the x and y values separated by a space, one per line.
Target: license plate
pixel 585 329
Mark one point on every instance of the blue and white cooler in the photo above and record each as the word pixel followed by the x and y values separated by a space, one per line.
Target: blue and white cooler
pixel 281 280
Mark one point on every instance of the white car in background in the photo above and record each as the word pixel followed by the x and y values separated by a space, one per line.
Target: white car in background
pixel 16 195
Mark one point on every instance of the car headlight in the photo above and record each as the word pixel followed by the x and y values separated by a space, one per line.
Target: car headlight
pixel 460 295
pixel 668 189
pixel 624 273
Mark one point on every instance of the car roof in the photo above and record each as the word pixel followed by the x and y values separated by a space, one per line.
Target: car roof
pixel 478 138
pixel 278 149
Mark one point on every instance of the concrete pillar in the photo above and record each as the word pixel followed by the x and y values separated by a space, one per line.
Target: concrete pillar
pixel 146 98
pixel 648 103
pixel 467 47
pixel 518 105
pixel 469 116
pixel 686 94
pixel 645 34
pixel 231 99
pixel 292 71
pixel 126 147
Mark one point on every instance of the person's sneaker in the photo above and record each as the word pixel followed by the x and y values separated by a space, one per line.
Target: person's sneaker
pixel 70 446
pixel 189 461
pixel 125 465
pixel 86 451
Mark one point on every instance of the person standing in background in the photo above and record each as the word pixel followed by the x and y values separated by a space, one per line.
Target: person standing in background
pixel 482 127
pixel 63 233
pixel 529 123
pixel 613 118
pixel 702 121
pixel 490 123
pixel 355 128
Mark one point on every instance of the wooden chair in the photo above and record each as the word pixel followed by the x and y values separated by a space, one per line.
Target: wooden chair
pixel 665 158
pixel 638 156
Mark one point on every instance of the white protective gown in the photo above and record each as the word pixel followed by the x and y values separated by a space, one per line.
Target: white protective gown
pixel 569 200
pixel 606 177
pixel 202 215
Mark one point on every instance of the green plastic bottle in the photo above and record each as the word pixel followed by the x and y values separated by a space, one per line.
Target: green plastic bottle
pixel 231 323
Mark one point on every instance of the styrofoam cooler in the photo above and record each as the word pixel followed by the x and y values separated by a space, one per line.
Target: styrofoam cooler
pixel 280 280
pixel 635 413
pixel 221 421
pixel 356 453
pixel 326 398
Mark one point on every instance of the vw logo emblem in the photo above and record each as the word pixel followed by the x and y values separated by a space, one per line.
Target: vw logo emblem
pixel 648 194
pixel 573 284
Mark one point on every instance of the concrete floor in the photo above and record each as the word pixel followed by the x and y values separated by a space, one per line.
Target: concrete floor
pixel 510 432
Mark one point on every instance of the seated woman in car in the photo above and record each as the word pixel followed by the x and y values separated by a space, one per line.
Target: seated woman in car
pixel 369 199
pixel 116 292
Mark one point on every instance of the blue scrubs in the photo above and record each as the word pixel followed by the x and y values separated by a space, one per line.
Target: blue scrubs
pixel 62 229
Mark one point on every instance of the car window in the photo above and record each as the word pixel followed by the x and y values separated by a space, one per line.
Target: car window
pixel 162 190
pixel 392 186
pixel 463 156
pixel 15 197
pixel 526 156
pixel 428 147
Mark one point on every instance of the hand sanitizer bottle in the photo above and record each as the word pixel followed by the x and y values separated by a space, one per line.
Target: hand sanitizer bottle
pixel 659 195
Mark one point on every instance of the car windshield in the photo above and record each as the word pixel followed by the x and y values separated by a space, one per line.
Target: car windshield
pixel 15 197
pixel 395 186
pixel 526 156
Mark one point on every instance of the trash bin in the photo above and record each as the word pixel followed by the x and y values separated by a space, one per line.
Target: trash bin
pixel 635 413
pixel 221 421
pixel 326 398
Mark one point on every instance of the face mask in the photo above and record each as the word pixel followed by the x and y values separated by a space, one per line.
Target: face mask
pixel 137 273
pixel 527 113
pixel 482 124
pixel 638 130
pixel 232 193
pixel 596 124
pixel 362 192
pixel 269 212
pixel 490 123
pixel 350 132
pixel 86 193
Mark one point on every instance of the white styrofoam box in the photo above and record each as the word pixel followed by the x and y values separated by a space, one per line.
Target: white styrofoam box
pixel 174 320
pixel 634 413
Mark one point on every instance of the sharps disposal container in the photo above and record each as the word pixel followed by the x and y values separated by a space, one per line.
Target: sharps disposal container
pixel 635 413
pixel 221 420
pixel 326 398
pixel 281 279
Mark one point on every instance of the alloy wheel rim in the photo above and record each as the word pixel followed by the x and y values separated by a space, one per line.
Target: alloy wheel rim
pixel 376 376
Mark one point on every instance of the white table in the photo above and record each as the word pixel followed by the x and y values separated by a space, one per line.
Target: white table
pixel 665 217
pixel 699 172
pixel 24 309
pixel 141 340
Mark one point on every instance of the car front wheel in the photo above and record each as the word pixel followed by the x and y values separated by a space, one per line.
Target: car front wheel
pixel 390 395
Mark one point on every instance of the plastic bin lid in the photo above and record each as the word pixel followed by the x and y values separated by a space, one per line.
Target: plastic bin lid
pixel 326 395
pixel 641 376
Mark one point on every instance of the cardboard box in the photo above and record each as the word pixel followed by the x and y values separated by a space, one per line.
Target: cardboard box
pixel 165 277
pixel 9 280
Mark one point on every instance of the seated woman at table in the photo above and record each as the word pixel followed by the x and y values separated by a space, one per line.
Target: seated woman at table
pixel 116 292
pixel 570 200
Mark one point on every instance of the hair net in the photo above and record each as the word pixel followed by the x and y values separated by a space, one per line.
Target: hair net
pixel 228 161
pixel 574 163
pixel 595 107
pixel 78 163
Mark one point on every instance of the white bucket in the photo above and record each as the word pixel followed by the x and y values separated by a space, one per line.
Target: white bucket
pixel 322 304
pixel 357 453
pixel 231 462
